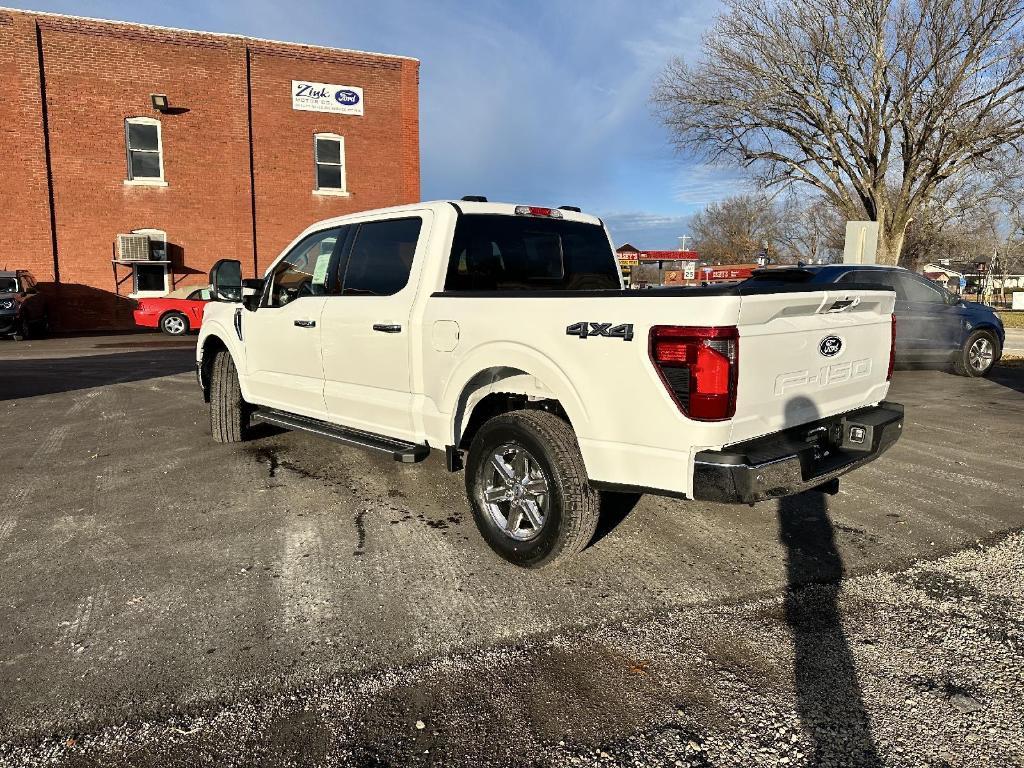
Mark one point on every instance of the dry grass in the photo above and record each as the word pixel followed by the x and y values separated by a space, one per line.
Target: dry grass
pixel 1012 319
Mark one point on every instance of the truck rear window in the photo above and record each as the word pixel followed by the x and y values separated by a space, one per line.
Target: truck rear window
pixel 522 253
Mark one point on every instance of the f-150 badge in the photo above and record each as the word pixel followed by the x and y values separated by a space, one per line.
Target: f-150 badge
pixel 586 329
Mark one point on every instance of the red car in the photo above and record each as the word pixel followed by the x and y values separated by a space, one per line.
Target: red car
pixel 177 313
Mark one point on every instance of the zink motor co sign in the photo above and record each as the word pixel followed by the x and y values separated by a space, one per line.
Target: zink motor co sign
pixel 327 97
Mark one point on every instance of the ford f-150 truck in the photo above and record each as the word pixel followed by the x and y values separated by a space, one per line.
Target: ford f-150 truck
pixel 501 334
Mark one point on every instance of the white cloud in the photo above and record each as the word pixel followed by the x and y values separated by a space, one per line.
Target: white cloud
pixel 647 230
pixel 698 185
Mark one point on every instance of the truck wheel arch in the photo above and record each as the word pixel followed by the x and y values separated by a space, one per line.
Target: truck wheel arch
pixel 211 346
pixel 501 389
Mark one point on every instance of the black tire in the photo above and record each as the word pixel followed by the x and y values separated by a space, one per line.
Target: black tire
pixel 174 324
pixel 972 359
pixel 229 413
pixel 22 332
pixel 571 507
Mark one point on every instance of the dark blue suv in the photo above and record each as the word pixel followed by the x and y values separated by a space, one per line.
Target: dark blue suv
pixel 933 327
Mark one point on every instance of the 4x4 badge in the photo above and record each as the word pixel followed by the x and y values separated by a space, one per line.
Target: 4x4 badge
pixel 585 329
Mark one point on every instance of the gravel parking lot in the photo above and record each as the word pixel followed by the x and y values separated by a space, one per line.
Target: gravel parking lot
pixel 171 601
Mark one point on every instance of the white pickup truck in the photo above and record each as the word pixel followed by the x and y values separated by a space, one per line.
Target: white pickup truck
pixel 502 334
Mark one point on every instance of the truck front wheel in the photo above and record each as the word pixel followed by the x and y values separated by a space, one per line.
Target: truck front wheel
pixel 528 487
pixel 229 413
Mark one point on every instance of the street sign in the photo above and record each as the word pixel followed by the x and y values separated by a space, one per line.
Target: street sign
pixel 689 270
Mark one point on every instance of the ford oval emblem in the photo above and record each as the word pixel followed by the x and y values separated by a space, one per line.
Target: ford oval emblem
pixel 347 97
pixel 830 346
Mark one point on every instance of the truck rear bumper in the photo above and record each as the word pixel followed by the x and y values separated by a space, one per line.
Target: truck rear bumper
pixel 797 459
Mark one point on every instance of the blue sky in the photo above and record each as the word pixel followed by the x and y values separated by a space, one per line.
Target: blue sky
pixel 533 102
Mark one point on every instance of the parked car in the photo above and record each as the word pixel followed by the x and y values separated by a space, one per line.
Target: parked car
pixel 23 310
pixel 177 313
pixel 933 327
pixel 502 334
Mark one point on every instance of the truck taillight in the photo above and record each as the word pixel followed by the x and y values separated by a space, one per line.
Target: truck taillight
pixel 892 349
pixel 700 367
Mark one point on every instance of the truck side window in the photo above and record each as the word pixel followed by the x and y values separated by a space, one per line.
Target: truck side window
pixel 505 253
pixel 303 272
pixel 921 290
pixel 381 257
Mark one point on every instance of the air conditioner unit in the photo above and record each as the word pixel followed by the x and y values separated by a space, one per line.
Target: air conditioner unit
pixel 133 248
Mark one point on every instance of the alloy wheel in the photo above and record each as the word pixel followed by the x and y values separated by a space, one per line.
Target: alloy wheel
pixel 174 325
pixel 981 354
pixel 515 492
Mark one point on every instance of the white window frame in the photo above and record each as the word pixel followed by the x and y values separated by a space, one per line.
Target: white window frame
pixel 317 189
pixel 148 181
pixel 154 234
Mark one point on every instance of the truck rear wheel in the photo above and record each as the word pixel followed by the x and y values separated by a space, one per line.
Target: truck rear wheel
pixel 528 487
pixel 229 413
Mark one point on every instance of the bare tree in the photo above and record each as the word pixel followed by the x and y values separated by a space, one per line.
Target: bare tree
pixel 875 103
pixel 733 230
pixel 736 229
pixel 814 229
pixel 961 221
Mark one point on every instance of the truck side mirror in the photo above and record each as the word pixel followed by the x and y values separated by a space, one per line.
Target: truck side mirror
pixel 252 292
pixel 226 279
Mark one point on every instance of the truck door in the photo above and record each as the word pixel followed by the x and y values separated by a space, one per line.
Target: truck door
pixel 367 331
pixel 932 324
pixel 282 337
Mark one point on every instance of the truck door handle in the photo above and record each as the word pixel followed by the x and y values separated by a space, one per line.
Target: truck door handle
pixel 387 327
pixel 306 323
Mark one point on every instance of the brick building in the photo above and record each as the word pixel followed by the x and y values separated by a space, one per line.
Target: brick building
pixel 252 141
pixel 645 268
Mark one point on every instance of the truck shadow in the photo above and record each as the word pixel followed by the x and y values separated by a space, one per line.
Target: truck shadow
pixel 615 507
pixel 828 695
pixel 29 378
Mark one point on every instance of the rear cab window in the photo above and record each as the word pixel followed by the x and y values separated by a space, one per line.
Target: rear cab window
pixel 493 252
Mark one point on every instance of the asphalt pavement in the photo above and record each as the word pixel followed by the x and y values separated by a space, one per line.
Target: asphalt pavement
pixel 171 601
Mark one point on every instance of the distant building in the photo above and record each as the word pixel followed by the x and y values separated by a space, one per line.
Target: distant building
pixel 655 267
pixel 133 157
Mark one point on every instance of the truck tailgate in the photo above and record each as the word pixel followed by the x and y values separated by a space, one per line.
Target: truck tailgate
pixel 804 356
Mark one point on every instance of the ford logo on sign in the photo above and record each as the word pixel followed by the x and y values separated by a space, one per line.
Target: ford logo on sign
pixel 346 97
pixel 830 346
